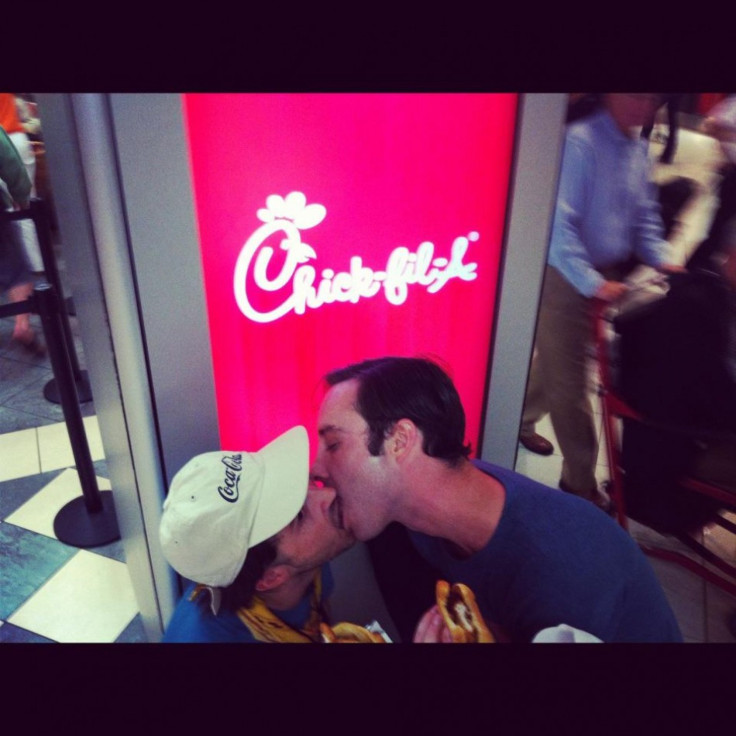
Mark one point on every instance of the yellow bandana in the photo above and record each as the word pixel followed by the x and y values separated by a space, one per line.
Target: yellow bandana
pixel 267 627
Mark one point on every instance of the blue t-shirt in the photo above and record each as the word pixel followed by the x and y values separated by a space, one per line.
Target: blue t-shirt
pixel 193 621
pixel 557 559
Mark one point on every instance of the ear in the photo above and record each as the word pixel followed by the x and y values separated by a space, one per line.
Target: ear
pixel 404 437
pixel 273 577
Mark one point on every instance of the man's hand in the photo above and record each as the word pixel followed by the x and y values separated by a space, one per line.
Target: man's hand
pixel 431 629
pixel 609 291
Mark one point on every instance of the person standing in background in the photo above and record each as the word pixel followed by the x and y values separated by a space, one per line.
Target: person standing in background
pixel 14 276
pixel 606 214
pixel 12 124
pixel 721 124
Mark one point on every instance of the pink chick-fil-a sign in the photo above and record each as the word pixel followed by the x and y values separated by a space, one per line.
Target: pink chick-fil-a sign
pixel 339 227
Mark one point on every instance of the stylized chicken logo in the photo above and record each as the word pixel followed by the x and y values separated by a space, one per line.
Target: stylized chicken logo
pixel 290 215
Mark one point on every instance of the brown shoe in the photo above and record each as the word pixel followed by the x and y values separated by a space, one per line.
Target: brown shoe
pixel 536 443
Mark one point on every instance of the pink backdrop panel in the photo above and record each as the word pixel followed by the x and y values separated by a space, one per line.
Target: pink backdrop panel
pixel 338 227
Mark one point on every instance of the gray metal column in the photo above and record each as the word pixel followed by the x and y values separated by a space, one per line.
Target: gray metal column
pixel 84 177
pixel 533 192
pixel 155 181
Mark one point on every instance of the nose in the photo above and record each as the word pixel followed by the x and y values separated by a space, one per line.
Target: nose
pixel 321 498
pixel 317 472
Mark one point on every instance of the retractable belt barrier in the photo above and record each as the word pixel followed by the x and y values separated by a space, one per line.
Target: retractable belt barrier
pixel 38 213
pixel 87 521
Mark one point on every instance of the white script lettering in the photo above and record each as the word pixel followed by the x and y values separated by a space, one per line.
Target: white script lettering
pixel 288 216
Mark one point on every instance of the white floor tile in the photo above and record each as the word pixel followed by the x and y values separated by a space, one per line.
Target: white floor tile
pixel 38 513
pixel 545 469
pixel 19 454
pixel 90 600
pixel 56 449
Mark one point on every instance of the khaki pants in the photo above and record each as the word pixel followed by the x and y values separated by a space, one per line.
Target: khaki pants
pixel 558 380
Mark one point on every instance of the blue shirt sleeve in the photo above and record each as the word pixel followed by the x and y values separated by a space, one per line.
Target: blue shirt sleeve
pixel 193 622
pixel 568 254
pixel 606 208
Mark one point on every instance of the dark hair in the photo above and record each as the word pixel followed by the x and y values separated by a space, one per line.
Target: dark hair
pixel 413 388
pixel 582 105
pixel 240 592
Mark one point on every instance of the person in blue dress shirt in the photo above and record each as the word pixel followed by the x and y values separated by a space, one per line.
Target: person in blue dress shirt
pixel 606 219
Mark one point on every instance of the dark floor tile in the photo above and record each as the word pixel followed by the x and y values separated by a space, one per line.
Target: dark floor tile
pixel 86 408
pixel 14 420
pixel 17 377
pixel 32 401
pixel 14 493
pixel 9 348
pixel 28 560
pixel 134 633
pixel 10 634
pixel 113 550
pixel 721 615
pixel 13 350
pixel 100 468
pixel 685 592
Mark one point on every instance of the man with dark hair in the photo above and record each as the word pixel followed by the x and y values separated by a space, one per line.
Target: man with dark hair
pixel 535 557
pixel 254 537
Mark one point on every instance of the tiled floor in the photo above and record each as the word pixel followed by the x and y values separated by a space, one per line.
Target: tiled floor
pixel 702 609
pixel 50 591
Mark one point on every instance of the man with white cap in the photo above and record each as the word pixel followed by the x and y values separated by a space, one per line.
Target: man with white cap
pixel 254 538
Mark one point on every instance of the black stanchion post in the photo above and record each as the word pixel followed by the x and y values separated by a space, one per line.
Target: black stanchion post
pixel 88 521
pixel 40 218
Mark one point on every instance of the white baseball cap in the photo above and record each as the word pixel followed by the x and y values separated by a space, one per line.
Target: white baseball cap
pixel 221 504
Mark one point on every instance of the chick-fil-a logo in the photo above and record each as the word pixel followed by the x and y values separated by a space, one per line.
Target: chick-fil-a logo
pixel 290 215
